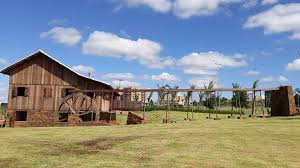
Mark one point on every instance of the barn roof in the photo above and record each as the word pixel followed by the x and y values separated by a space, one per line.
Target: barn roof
pixel 7 69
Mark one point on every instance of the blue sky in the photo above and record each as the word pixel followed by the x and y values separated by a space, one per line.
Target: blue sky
pixel 147 42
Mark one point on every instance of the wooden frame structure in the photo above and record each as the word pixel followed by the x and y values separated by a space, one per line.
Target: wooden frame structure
pixel 170 91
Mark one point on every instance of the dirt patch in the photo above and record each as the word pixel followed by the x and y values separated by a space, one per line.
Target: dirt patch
pixel 107 142
pixel 7 162
pixel 90 147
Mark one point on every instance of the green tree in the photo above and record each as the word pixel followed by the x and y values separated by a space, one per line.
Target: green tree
pixel 209 101
pixel 201 96
pixel 239 99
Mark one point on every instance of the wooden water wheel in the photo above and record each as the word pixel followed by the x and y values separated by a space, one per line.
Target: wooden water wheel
pixel 77 104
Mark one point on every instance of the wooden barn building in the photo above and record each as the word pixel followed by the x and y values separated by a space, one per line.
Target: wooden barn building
pixel 40 93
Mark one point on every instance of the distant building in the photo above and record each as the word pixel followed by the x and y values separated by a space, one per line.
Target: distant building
pixel 134 96
pixel 178 100
pixel 257 95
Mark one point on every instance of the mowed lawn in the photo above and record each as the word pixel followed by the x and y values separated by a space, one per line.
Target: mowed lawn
pixel 230 143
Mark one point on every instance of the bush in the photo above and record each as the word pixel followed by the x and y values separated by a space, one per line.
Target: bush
pixel 184 109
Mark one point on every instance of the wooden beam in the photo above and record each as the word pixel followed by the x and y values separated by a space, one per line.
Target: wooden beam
pixel 176 90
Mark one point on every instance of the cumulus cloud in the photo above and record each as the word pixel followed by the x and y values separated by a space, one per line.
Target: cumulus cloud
pixel 271 79
pixel 161 6
pixel 208 63
pixel 119 76
pixel 252 73
pixel 293 66
pixel 66 36
pixel 185 9
pixel 269 2
pixel 165 77
pixel 147 52
pixel 125 84
pixel 250 3
pixel 279 19
pixel 84 70
pixel 199 82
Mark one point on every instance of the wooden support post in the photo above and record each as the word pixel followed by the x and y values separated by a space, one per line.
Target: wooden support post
pixel 254 104
pixel 262 103
pixel 217 106
pixel 166 114
pixel 208 103
pixel 188 104
pixel 111 106
pixel 233 93
pixel 94 97
pixel 144 107
pixel 240 107
pixel 192 106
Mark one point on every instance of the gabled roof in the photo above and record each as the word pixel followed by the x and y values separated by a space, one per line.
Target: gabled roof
pixel 7 69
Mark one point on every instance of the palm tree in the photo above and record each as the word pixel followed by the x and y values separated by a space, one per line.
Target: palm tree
pixel 255 84
pixel 239 99
pixel 188 97
pixel 207 94
pixel 235 99
pixel 201 95
pixel 174 94
pixel 161 93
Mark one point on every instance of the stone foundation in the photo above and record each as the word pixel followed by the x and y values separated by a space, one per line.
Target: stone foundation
pixel 59 124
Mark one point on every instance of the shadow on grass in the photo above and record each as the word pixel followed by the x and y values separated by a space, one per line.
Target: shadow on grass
pixel 7 162
pixel 289 118
pixel 89 147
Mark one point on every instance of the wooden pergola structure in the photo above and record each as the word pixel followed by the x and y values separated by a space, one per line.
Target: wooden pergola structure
pixel 80 103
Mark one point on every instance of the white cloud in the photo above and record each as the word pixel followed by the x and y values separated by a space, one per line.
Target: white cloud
pixel 125 84
pixel 165 77
pixel 2 61
pixel 279 19
pixel 250 3
pixel 119 76
pixel 199 82
pixel 271 79
pixel 161 6
pixel 57 22
pixel 269 2
pixel 183 9
pixel 187 8
pixel 84 70
pixel 110 45
pixel 294 66
pixel 67 36
pixel 208 63
pixel 252 73
pixel 3 93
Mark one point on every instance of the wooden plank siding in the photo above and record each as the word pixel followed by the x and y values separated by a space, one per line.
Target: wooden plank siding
pixel 44 80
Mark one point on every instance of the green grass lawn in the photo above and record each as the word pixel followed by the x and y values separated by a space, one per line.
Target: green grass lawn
pixel 273 142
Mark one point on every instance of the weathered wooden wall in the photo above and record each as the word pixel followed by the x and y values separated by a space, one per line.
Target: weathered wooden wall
pixel 45 80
